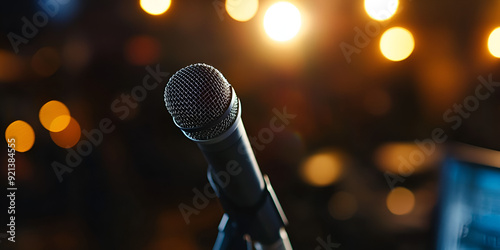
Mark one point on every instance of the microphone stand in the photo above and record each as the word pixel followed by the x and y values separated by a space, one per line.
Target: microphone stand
pixel 262 223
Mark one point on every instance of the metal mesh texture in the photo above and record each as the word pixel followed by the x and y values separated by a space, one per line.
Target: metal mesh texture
pixel 198 95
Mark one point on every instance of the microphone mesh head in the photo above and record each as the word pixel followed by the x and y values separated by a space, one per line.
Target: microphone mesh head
pixel 197 96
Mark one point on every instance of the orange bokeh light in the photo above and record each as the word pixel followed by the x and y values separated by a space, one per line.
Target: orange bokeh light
pixel 54 116
pixel 23 135
pixel 400 201
pixel 69 136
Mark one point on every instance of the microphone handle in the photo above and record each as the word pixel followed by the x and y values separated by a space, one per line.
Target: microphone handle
pixel 245 194
pixel 235 168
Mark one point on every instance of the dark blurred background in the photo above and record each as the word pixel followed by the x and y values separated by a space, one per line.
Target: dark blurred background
pixel 333 166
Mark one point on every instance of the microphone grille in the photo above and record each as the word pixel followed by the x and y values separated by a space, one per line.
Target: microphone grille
pixel 197 96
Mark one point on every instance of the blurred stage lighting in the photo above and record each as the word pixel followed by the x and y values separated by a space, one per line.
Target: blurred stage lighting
pixel 60 11
pixel 242 10
pixel 494 42
pixel 400 201
pixel 155 7
pixel 282 21
pixel 381 10
pixel 322 169
pixel 69 136
pixel 23 134
pixel 405 158
pixel 397 44
pixel 54 116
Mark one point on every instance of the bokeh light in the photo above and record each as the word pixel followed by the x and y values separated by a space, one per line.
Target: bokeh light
pixel 406 158
pixel 69 136
pixel 400 201
pixel 46 61
pixel 23 135
pixel 494 42
pixel 66 11
pixel 322 169
pixel 397 44
pixel 282 21
pixel 155 7
pixel 54 116
pixel 142 50
pixel 242 10
pixel 11 66
pixel 342 205
pixel 381 10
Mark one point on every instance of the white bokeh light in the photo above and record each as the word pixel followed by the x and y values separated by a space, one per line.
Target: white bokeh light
pixel 155 7
pixel 381 10
pixel 494 42
pixel 242 10
pixel 397 44
pixel 282 21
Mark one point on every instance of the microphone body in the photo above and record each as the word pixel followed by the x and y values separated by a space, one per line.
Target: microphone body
pixel 233 165
pixel 213 121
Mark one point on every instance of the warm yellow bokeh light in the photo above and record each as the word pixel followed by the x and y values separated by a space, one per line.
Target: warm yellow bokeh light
pixel 282 21
pixel 494 42
pixel 155 7
pixel 381 10
pixel 406 158
pixel 23 134
pixel 322 169
pixel 69 136
pixel 54 116
pixel 397 44
pixel 242 10
pixel 400 201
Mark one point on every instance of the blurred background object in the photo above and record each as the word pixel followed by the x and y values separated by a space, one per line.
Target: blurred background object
pixel 469 204
pixel 379 89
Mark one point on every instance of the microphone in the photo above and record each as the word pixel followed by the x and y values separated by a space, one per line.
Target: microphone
pixel 205 107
